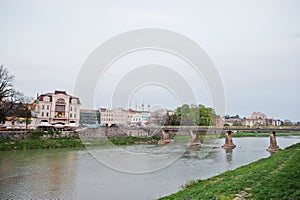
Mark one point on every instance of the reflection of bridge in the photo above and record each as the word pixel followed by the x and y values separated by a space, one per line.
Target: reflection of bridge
pixel 194 131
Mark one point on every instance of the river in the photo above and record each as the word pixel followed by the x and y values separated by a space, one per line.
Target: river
pixel 147 172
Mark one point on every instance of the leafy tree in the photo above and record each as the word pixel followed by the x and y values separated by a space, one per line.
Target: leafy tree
pixel 193 115
pixel 237 123
pixel 287 122
pixel 172 120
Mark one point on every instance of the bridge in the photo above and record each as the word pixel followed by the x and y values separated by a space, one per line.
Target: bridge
pixel 204 129
pixel 194 131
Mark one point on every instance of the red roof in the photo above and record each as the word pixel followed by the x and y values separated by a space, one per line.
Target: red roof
pixel 41 97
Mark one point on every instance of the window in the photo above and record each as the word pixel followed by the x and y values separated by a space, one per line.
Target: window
pixel 74 115
pixel 47 114
pixel 60 106
pixel 46 98
pixel 74 101
pixel 75 109
pixel 71 108
pixel 43 107
pixel 48 107
pixel 42 114
pixel 70 115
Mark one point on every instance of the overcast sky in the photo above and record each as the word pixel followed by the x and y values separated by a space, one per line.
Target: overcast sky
pixel 255 45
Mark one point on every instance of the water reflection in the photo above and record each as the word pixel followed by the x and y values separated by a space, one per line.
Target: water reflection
pixel 75 174
pixel 229 155
pixel 38 173
pixel 192 152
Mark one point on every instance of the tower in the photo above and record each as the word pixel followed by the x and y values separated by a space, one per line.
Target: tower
pixel 143 109
pixel 148 108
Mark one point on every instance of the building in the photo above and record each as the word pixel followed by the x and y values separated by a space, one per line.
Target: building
pixel 254 122
pixel 113 117
pixel 89 117
pixel 273 122
pixel 122 117
pixel 258 115
pixel 56 109
pixel 138 118
pixel 218 121
pixel 260 119
pixel 159 117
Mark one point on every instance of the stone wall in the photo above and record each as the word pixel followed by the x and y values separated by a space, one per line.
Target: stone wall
pixel 111 132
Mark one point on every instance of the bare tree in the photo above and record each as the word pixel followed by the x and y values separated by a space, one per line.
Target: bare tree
pixel 6 85
pixel 6 88
pixel 12 102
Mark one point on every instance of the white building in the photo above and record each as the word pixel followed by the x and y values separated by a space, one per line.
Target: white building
pixel 56 108
pixel 138 118
pixel 115 116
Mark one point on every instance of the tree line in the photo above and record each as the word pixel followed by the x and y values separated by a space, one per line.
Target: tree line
pixel 191 115
pixel 13 104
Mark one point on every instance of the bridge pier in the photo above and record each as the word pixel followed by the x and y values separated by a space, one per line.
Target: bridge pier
pixel 228 141
pixel 273 143
pixel 194 139
pixel 164 138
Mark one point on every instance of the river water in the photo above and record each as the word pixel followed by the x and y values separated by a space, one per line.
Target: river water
pixel 80 174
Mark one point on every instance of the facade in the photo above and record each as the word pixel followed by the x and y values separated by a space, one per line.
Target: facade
pixel 254 122
pixel 115 116
pixel 262 122
pixel 121 117
pixel 218 121
pixel 88 117
pixel 138 118
pixel 256 119
pixel 258 115
pixel 159 117
pixel 56 108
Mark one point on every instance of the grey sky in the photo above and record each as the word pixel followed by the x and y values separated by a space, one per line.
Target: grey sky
pixel 255 45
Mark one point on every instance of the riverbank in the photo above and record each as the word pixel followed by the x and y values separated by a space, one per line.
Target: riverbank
pixel 24 144
pixel 275 177
pixel 130 140
pixel 50 140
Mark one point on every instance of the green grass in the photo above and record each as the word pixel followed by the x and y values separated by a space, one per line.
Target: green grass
pixel 276 177
pixel 131 140
pixel 118 141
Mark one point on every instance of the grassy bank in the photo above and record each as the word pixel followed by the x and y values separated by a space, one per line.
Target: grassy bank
pixel 276 177
pixel 119 141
